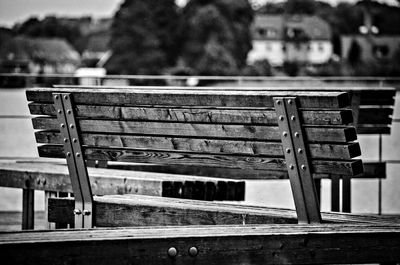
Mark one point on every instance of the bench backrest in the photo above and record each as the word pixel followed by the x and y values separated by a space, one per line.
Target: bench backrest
pixel 223 129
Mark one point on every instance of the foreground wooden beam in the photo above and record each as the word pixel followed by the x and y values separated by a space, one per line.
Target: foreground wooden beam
pixel 261 244
pixel 138 210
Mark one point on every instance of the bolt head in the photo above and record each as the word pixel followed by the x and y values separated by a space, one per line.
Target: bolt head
pixel 293 118
pixel 290 102
pixel 75 140
pixel 86 212
pixel 77 212
pixel 303 167
pixel 65 140
pixel 172 252
pixel 296 134
pixel 291 167
pixel 69 111
pixel 300 151
pixel 281 118
pixel 56 96
pixel 71 126
pixel 78 154
pixel 284 134
pixel 65 97
pixel 278 102
pixel 59 111
pixel 68 154
pixel 62 125
pixel 288 150
pixel 193 251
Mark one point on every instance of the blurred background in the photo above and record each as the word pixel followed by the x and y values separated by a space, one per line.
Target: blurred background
pixel 201 43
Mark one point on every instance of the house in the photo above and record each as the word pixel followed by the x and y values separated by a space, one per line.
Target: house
pixel 39 55
pixel 372 48
pixel 297 38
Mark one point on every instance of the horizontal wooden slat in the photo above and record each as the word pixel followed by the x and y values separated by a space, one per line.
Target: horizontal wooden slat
pixel 312 134
pixel 350 167
pixel 373 129
pixel 242 116
pixel 236 244
pixel 337 151
pixel 377 97
pixel 375 116
pixel 52 176
pixel 139 210
pixel 166 97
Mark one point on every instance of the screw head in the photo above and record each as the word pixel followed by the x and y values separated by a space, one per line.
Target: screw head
pixel 56 96
pixel 303 167
pixel 69 111
pixel 293 118
pixel 172 252
pixel 78 154
pixel 296 134
pixel 75 140
pixel 284 134
pixel 65 140
pixel 68 154
pixel 278 102
pixel 281 118
pixel 62 125
pixel 291 167
pixel 288 150
pixel 77 212
pixel 290 102
pixel 65 97
pixel 86 212
pixel 193 251
pixel 59 111
pixel 300 151
pixel 71 126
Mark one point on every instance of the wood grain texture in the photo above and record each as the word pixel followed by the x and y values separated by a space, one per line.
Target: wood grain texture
pixel 157 96
pixel 333 151
pixel 228 131
pixel 346 167
pixel 253 244
pixel 203 115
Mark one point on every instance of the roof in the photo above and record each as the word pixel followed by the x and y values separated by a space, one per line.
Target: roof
pixel 277 27
pixel 52 50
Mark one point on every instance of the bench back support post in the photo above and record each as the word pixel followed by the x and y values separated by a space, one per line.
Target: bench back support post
pixel 296 157
pixel 75 159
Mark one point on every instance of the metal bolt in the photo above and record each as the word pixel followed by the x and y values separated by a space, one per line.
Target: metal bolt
pixel 62 125
pixel 281 118
pixel 303 167
pixel 68 154
pixel 71 126
pixel 284 134
pixel 56 97
pixel 86 212
pixel 65 97
pixel 193 251
pixel 290 102
pixel 278 102
pixel 296 134
pixel 300 151
pixel 69 111
pixel 293 118
pixel 288 150
pixel 65 140
pixel 291 167
pixel 172 252
pixel 78 154
pixel 59 111
pixel 75 140
pixel 77 212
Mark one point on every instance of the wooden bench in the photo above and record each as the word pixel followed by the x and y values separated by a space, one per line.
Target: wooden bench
pixel 224 129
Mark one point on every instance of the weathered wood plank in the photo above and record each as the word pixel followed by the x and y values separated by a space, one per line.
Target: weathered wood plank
pixel 50 176
pixel 241 116
pixel 139 210
pixel 338 151
pixel 228 131
pixel 346 167
pixel 253 244
pixel 28 209
pixel 157 96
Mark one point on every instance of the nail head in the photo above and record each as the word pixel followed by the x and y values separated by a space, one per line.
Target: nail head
pixel 172 252
pixel 193 251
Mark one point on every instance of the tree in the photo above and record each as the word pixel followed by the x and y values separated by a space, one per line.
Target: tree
pixel 143 37
pixel 215 36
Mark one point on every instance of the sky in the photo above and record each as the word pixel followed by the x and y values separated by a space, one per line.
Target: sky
pixel 13 11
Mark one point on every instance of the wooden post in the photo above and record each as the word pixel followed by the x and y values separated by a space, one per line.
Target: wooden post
pixel 28 209
pixel 47 195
